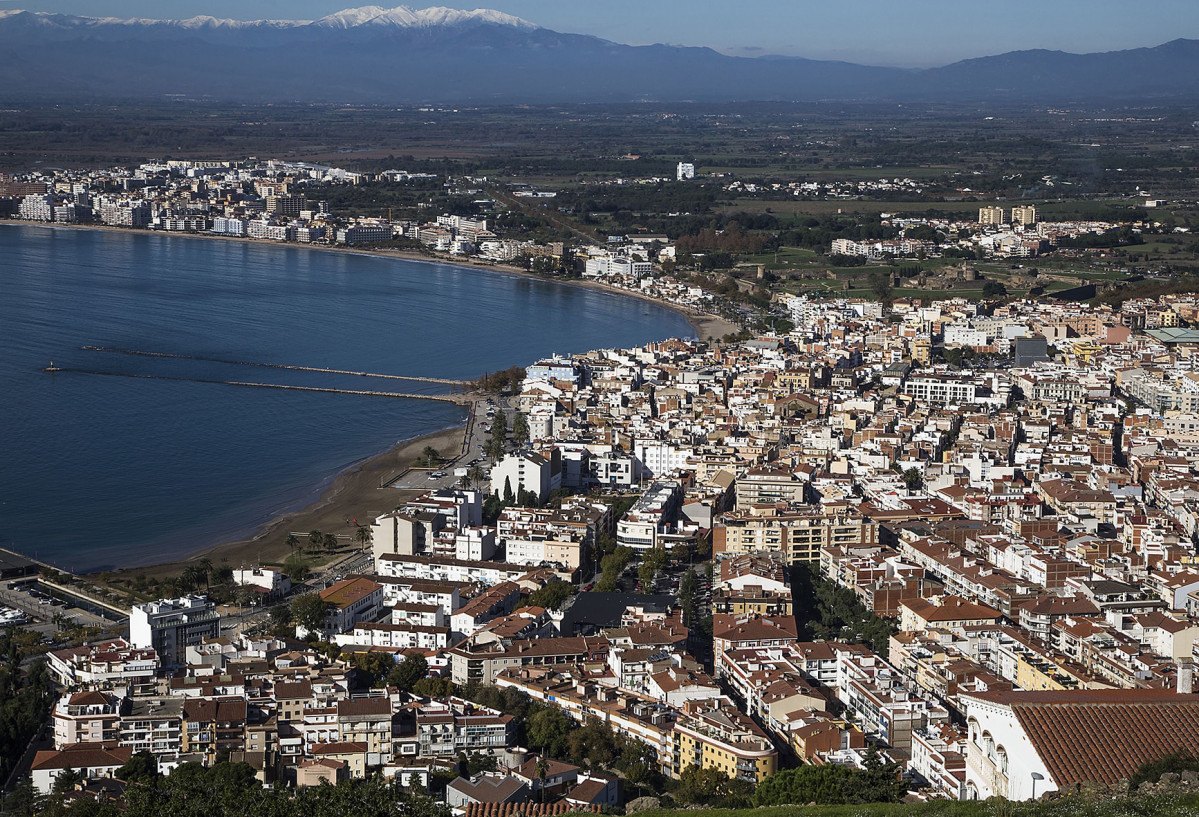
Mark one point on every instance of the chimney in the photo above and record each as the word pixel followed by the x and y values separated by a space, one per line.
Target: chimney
pixel 1186 677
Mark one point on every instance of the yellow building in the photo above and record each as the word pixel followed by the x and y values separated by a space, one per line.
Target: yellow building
pixel 922 351
pixel 797 532
pixel 992 216
pixel 1025 216
pixel 713 734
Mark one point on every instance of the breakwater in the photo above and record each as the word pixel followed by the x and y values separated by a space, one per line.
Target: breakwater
pixel 458 399
pixel 418 378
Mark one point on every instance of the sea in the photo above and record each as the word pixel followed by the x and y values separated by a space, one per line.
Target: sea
pixel 120 459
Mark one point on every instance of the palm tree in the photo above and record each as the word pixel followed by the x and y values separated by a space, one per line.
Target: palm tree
pixel 520 430
pixel 316 539
pixel 292 541
pixel 330 541
pixel 189 579
pixel 205 564
pixel 542 769
pixel 363 535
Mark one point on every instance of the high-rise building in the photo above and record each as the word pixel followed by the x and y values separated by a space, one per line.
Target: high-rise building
pixel 289 206
pixel 990 216
pixel 1024 216
pixel 170 626
pixel 686 171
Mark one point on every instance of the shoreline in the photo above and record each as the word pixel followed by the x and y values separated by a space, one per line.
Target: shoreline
pixel 352 493
pixel 705 326
pixel 358 492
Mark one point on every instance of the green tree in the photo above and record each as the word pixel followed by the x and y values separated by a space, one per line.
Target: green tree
pixel 520 429
pixel 832 784
pixel 309 612
pixel 542 770
pixel 142 767
pixel 204 569
pixel 497 446
pixel 913 480
pixel 316 538
pixel 492 506
pixel 66 780
pixel 296 568
pixel 191 577
pixel 499 424
pixel 994 289
pixel 712 787
pixel 429 456
pixel 552 596
pixel 546 731
pixel 22 800
pixel 476 763
pixel 880 287
pixel 652 562
pixel 405 675
pixel 433 687
pixel 375 666
pixel 280 618
pixel 330 541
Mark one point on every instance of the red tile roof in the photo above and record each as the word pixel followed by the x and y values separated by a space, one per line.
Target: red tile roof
pixel 1103 736
pixel 525 809
pixel 348 591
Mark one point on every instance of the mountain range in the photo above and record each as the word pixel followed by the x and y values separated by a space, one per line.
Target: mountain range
pixel 439 55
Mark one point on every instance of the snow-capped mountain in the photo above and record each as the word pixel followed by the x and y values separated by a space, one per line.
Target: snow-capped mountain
pixel 405 17
pixel 378 55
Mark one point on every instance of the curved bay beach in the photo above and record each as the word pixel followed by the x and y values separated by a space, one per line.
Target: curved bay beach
pixel 353 493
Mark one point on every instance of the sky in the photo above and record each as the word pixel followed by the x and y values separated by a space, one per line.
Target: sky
pixel 907 33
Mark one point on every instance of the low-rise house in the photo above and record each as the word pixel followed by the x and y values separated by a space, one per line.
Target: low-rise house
pixel 349 601
pixel 490 788
pixel 87 759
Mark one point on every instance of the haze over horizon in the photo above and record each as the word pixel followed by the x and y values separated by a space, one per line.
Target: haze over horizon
pixel 917 34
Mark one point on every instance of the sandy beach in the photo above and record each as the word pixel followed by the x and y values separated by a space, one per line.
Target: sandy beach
pixel 358 493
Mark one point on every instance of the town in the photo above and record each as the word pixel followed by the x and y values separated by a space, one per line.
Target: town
pixel 925 545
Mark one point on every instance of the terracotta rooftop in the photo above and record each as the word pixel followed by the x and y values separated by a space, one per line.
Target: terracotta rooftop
pixel 1103 736
pixel 348 591
pixel 82 756
pixel 525 809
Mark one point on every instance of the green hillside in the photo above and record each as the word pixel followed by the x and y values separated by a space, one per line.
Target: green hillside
pixel 1161 805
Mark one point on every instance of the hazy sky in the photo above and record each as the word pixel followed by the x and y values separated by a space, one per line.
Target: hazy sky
pixel 878 32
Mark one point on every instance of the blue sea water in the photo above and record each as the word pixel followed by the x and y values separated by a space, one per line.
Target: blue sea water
pixel 99 471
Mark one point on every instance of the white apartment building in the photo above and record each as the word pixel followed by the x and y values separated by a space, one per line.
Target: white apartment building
pixel 604 266
pixel 170 626
pixel 270 581
pixel 652 516
pixel 659 458
pixel 523 471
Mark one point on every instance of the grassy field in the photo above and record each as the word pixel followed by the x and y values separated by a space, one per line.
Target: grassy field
pixel 852 206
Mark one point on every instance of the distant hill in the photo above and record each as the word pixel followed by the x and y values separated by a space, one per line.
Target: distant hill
pixel 402 55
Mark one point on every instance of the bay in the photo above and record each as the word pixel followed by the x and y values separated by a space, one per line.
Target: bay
pixel 102 471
